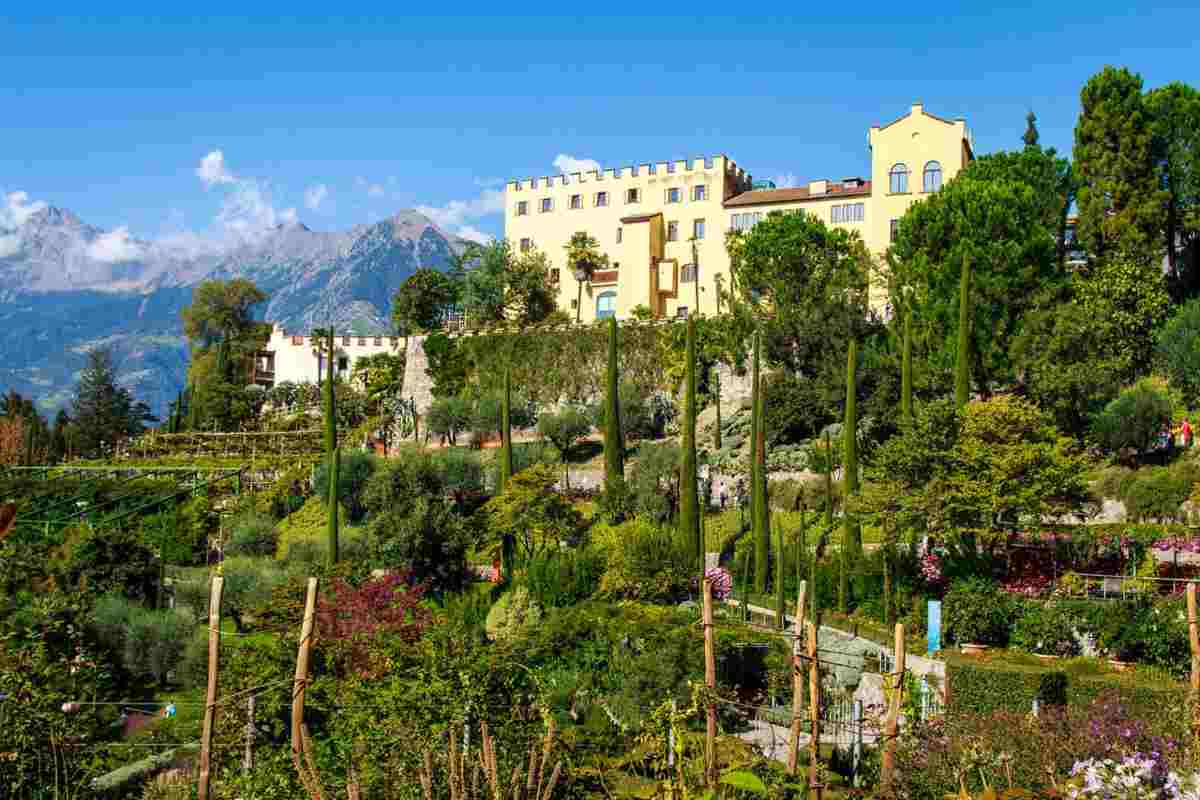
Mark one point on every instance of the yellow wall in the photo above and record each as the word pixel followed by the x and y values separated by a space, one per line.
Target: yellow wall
pixel 914 139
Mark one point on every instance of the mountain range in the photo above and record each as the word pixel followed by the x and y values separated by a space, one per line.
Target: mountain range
pixel 67 287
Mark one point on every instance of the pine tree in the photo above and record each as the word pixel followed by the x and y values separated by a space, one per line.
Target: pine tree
pixel 962 366
pixel 331 448
pixel 906 376
pixel 506 453
pixel 614 440
pixel 689 501
pixel 758 479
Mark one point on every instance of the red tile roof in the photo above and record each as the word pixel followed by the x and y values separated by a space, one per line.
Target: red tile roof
pixel 796 194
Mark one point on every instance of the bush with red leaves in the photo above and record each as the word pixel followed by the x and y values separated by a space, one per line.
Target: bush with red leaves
pixel 387 605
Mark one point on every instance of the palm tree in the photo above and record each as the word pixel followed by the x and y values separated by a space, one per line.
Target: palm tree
pixel 584 259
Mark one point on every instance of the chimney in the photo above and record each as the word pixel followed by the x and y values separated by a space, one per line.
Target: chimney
pixel 917 108
pixel 818 187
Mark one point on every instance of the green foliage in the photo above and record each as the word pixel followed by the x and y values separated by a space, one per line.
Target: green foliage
pixel 981 685
pixel 446 364
pixel 654 482
pixel 1047 629
pixel 851 532
pixel 354 471
pixel 981 470
pixel 760 520
pixel 535 516
pixel 1135 418
pixel 976 611
pixel 1175 111
pixel 1119 196
pixel 448 416
pixel 512 614
pixel 107 560
pixel 1128 295
pixel 643 561
pixel 689 500
pixel 564 429
pixel 303 534
pixel 460 470
pixel 962 359
pixel 149 643
pixel 563 577
pixel 614 434
pixel 797 408
pixel 1179 348
pixel 381 374
pixel 103 412
pixel 252 534
pixel 422 301
pixel 1156 493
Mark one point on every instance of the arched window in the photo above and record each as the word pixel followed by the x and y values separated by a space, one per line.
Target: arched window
pixel 933 176
pixel 606 305
pixel 898 179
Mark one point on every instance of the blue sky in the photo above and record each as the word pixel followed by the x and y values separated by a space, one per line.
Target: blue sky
pixel 343 121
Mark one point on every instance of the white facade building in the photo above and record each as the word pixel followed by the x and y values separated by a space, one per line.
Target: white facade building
pixel 293 357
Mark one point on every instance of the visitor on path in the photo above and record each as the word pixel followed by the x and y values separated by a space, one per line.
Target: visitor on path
pixel 1185 434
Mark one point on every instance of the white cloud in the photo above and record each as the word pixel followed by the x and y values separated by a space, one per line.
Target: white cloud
pixel 247 208
pixel 17 208
pixel 212 169
pixel 315 195
pixel 473 234
pixel 568 164
pixel 786 181
pixel 114 247
pixel 372 189
pixel 457 213
pixel 489 183
pixel 9 245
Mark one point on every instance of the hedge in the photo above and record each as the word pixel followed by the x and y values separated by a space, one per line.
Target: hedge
pixel 984 684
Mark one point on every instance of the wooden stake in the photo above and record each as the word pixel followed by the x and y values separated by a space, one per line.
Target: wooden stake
pixel 1194 641
pixel 892 725
pixel 248 756
pixel 814 711
pixel 210 702
pixel 797 679
pixel 710 680
pixel 307 777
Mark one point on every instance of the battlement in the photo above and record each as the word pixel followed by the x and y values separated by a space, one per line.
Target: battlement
pixel 676 167
pixel 281 337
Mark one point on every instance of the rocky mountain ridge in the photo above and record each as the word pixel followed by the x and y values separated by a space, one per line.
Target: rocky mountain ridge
pixel 67 286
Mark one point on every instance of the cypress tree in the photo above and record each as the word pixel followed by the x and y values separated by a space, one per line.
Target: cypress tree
pixel 614 441
pixel 779 550
pixel 758 480
pixel 717 431
pixel 506 454
pixel 828 482
pixel 962 369
pixel 689 501
pixel 851 533
pixel 906 388
pixel 331 449
pixel 29 423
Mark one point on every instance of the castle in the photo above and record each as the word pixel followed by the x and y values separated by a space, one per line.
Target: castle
pixel 662 225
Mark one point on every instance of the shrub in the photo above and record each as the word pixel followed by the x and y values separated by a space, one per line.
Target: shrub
pixel 461 470
pixel 355 469
pixel 512 614
pixel 448 416
pixel 111 560
pixel 146 643
pixel 291 488
pixel 796 409
pixel 1047 629
pixel 654 482
pixel 533 514
pixel 1158 492
pixel 308 528
pixel 642 561
pixel 977 612
pixel 563 577
pixel 1135 418
pixel 252 534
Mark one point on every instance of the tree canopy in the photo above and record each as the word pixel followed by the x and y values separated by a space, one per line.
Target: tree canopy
pixel 104 412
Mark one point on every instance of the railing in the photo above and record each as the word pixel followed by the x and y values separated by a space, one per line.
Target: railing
pixel 1094 585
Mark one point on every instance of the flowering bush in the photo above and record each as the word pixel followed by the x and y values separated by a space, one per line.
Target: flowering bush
pixel 1133 778
pixel 931 570
pixel 1183 544
pixel 722 582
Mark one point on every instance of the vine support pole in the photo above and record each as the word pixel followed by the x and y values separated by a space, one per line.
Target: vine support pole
pixel 797 679
pixel 710 680
pixel 892 726
pixel 1194 643
pixel 248 755
pixel 300 754
pixel 814 711
pixel 210 701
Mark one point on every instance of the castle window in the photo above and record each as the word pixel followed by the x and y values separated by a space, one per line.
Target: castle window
pixel 618 235
pixel 892 228
pixel 633 195
pixel 898 179
pixel 697 229
pixel 601 199
pixel 362 341
pixel 547 204
pixel 837 214
pixel 554 276
pixel 672 231
pixel 673 195
pixel 343 364
pixel 744 222
pixel 690 273
pixel 576 201
pixel 378 341
pixel 345 341
pixel 933 176
pixel 526 245
pixel 522 208
pixel 700 192
pixel 606 305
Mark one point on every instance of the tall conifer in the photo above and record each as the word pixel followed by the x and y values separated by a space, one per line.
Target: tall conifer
pixel 614 440
pixel 331 448
pixel 758 479
pixel 962 367
pixel 689 500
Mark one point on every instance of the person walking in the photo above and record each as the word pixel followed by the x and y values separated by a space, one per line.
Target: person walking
pixel 1185 434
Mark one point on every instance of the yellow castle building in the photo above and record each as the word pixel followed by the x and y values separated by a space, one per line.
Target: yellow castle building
pixel 662 225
